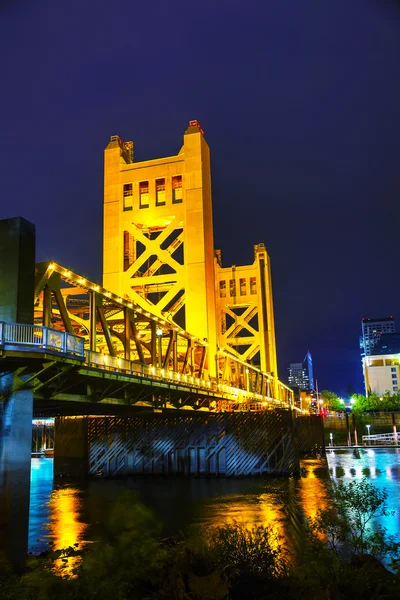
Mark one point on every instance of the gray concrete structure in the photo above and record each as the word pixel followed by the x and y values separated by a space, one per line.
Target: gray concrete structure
pixel 17 271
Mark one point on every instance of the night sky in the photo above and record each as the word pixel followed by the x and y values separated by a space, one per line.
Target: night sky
pixel 300 104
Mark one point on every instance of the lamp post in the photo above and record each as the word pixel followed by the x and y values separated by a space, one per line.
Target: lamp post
pixel 368 428
pixel 331 436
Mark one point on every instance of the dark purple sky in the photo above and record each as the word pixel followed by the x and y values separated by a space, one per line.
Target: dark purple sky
pixel 300 103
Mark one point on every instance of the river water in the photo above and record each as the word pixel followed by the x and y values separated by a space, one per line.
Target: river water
pixel 66 513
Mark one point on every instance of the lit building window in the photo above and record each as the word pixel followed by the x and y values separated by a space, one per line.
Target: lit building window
pixel 243 290
pixel 177 189
pixel 144 194
pixel 232 287
pixel 160 192
pixel 222 289
pixel 128 196
pixel 253 285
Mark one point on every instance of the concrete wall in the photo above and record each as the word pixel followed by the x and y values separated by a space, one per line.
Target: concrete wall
pixel 182 443
pixel 380 423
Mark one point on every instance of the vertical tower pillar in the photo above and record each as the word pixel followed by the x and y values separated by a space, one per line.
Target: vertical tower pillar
pixel 17 272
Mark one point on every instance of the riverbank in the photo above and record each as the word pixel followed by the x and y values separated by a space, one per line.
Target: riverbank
pixel 134 561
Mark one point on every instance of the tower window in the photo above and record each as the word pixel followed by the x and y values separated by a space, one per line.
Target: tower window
pixel 177 189
pixel 222 289
pixel 232 287
pixel 253 285
pixel 243 290
pixel 144 194
pixel 160 192
pixel 128 196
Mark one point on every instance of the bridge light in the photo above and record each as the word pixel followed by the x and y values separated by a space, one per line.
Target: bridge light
pixel 119 299
pixel 159 332
pixel 51 266
pixel 130 305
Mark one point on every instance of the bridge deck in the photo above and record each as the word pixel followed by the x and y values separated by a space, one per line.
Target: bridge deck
pixel 58 368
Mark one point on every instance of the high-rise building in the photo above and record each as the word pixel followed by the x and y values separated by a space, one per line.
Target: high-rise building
pixel 372 329
pixel 301 375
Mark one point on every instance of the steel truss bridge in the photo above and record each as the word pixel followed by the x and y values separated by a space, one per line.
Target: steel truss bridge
pixel 89 345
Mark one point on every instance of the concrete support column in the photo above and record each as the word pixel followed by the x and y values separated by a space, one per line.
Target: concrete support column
pixel 17 278
pixel 15 465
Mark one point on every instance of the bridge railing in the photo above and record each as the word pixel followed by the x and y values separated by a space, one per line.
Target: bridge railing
pixel 381 439
pixel 41 338
pixel 13 336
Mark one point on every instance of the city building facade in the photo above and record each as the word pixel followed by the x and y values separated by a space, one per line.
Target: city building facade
pixel 381 374
pixel 371 331
pixel 381 367
pixel 301 375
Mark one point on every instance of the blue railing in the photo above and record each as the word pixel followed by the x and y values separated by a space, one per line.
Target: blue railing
pixel 41 338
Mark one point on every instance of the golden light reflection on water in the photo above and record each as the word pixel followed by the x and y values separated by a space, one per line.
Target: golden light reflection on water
pixel 283 508
pixel 312 490
pixel 264 509
pixel 65 529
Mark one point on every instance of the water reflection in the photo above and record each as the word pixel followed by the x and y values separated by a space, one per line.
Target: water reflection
pixel 312 489
pixel 65 528
pixel 70 514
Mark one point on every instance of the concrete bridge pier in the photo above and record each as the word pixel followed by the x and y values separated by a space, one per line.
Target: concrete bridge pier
pixel 15 471
pixel 17 272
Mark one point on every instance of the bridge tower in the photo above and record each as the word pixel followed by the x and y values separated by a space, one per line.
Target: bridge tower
pixel 159 252
pixel 158 233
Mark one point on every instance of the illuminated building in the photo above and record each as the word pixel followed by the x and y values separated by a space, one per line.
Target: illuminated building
pixel 372 329
pixel 381 373
pixel 300 375
pixel 381 366
pixel 159 251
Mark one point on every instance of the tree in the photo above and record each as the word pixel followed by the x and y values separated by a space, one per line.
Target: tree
pixel 384 403
pixel 348 520
pixel 331 401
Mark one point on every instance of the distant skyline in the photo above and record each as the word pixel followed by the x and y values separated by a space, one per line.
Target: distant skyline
pixel 299 103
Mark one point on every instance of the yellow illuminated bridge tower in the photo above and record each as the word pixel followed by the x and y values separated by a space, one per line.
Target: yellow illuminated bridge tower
pixel 159 252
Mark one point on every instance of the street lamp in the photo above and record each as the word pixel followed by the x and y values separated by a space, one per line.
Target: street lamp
pixel 368 428
pixel 331 436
